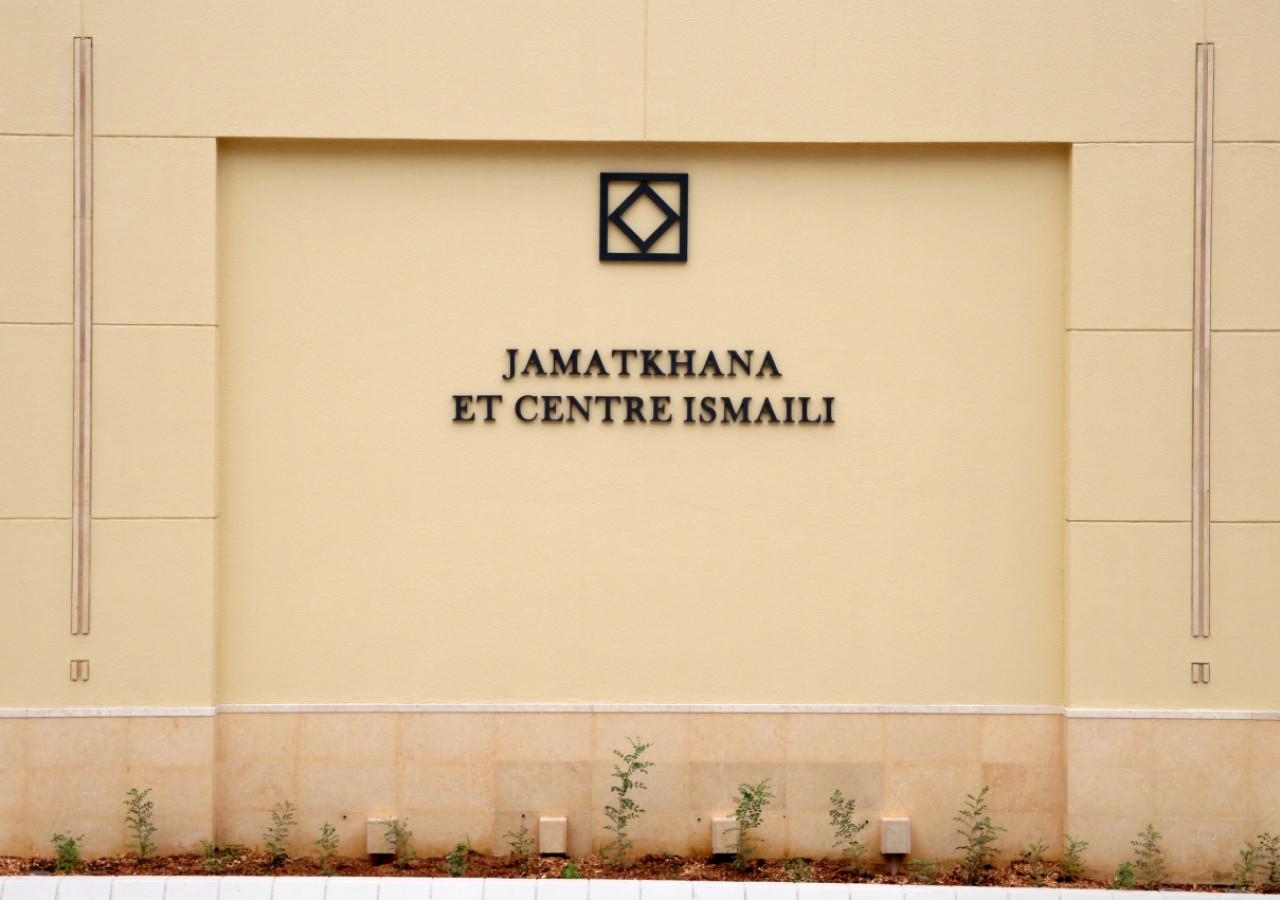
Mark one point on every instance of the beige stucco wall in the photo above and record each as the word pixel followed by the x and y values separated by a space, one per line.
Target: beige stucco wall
pixel 282 512
pixel 863 561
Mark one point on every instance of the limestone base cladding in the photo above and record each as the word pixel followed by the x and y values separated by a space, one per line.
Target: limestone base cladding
pixel 1207 785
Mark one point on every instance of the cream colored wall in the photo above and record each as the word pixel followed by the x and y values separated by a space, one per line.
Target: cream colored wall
pixel 866 561
pixel 155 487
pixel 1112 78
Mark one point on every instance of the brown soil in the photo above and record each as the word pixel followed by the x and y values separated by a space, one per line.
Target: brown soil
pixel 673 868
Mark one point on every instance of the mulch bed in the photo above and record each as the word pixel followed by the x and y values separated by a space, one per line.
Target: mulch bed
pixel 674 868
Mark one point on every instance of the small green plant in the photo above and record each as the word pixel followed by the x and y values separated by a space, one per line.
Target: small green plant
pixel 216 859
pixel 457 859
pixel 1149 865
pixel 619 816
pixel 979 837
pixel 66 853
pixel 1033 859
pixel 326 847
pixel 798 870
pixel 923 870
pixel 570 871
pixel 1247 868
pixel 752 799
pixel 1073 858
pixel 847 829
pixel 398 836
pixel 1125 879
pixel 276 838
pixel 1268 855
pixel 521 844
pixel 138 820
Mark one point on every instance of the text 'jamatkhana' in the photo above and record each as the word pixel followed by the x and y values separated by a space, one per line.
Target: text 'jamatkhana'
pixel 648 409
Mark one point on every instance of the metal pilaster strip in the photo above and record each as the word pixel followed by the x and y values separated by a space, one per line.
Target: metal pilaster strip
pixel 82 328
pixel 1201 338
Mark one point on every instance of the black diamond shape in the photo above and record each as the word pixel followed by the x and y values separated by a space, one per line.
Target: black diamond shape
pixel 643 190
pixel 643 246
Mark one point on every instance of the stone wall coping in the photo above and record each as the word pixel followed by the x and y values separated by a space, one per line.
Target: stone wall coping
pixel 237 887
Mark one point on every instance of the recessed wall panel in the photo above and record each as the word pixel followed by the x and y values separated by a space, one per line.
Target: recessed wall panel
pixel 372 549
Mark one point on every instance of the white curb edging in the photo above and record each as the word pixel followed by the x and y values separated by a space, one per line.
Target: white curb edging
pixel 233 887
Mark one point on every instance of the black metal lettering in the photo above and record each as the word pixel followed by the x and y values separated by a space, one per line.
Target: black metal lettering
pixel 533 361
pixel 625 354
pixel 488 405
pixel 711 362
pixel 768 363
pixel 767 407
pixel 651 367
pixel 735 360
pixel 659 407
pixel 635 407
pixel 804 413
pixel 551 405
pixel 520 403
pixel 460 408
pixel 511 362
pixel 567 366
pixel 676 364
pixel 732 415
pixel 596 363
pixel 708 405
pixel 608 407
pixel 585 410
pixel 829 401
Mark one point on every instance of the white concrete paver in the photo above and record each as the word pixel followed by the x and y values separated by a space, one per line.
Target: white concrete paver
pixel 875 892
pixel 510 889
pixel 457 889
pixel 928 892
pixel 235 887
pixel 190 887
pixel 666 890
pixel 404 888
pixel 341 889
pixel 298 888
pixel 32 887
pixel 771 890
pixel 608 889
pixel 822 892
pixel 136 887
pixel 559 889
pixel 719 890
pixel 84 888
pixel 245 887
pixel 982 893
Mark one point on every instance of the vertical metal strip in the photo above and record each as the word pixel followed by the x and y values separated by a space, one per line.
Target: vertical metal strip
pixel 1201 335
pixel 82 326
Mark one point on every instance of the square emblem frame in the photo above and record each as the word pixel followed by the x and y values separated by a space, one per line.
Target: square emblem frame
pixel 614 216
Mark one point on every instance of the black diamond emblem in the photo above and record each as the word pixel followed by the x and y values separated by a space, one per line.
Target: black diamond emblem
pixel 672 218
